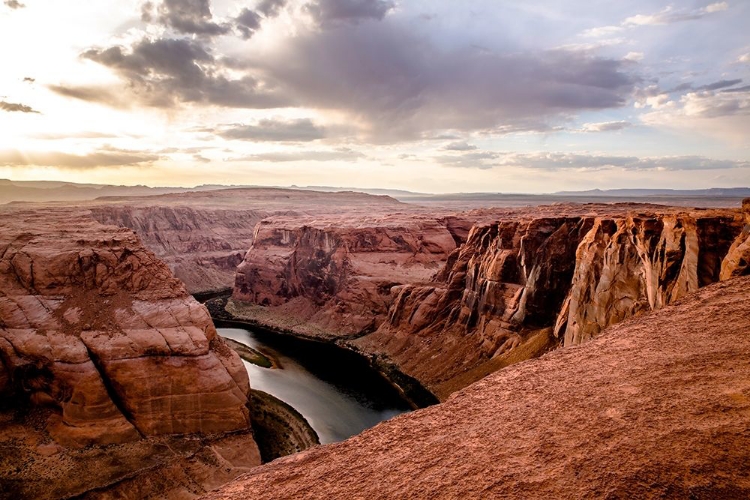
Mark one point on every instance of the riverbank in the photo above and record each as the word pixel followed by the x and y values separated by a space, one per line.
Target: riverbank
pixel 279 429
pixel 414 393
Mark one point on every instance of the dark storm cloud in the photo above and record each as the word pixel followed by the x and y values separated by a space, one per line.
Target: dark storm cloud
pixel 16 107
pixel 271 8
pixel 343 154
pixel 166 72
pixel 248 22
pixel 327 12
pixel 401 85
pixel 14 4
pixel 303 130
pixel 191 17
pixel 105 157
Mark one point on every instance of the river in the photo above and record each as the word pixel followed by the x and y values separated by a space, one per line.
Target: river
pixel 337 391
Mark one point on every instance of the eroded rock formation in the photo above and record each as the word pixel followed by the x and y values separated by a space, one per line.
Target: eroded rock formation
pixel 202 246
pixel 655 407
pixel 97 333
pixel 333 278
pixel 737 262
pixel 517 287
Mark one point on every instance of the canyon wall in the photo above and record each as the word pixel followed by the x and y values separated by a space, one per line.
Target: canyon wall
pixel 333 278
pixel 202 246
pixel 655 408
pixel 515 288
pixel 104 346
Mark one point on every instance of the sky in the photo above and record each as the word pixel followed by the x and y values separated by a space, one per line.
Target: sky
pixel 424 95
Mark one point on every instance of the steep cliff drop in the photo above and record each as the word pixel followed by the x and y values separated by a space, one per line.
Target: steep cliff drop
pixel 332 277
pixel 105 359
pixel 531 281
pixel 655 407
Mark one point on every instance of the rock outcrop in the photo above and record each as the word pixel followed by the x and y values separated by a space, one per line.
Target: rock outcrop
pixel 504 292
pixel 334 277
pixel 655 407
pixel 202 246
pixel 737 261
pixel 97 333
pixel 518 288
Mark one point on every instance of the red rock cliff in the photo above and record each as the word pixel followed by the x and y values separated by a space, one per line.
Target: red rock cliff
pixel 333 278
pixel 95 325
pixel 655 408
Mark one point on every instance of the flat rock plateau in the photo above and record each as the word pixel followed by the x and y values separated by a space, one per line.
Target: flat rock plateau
pixel 580 349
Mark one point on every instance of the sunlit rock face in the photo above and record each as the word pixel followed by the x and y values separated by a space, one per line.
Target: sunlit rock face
pixel 654 407
pixel 336 275
pixel 737 262
pixel 635 264
pixel 518 288
pixel 94 325
pixel 449 305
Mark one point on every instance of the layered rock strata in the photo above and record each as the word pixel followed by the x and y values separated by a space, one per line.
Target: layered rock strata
pixel 655 407
pixel 334 278
pixel 97 332
pixel 508 291
pixel 202 246
pixel 737 262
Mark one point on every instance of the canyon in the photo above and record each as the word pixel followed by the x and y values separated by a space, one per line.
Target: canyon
pixel 448 299
pixel 656 407
pixel 106 359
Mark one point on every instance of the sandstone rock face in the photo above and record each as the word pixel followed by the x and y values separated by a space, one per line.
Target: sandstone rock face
pixel 203 246
pixel 737 262
pixel 334 278
pixel 655 407
pixel 94 325
pixel 629 265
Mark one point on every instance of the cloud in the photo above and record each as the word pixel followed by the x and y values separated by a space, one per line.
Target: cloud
pixel 191 17
pixel 201 159
pixel 605 126
pixel 271 8
pixel 99 94
pixel 671 15
pixel 16 107
pixel 328 12
pixel 668 15
pixel 459 146
pixel 563 161
pixel 746 88
pixel 248 22
pixel 399 86
pixel 744 58
pixel 302 130
pixel 28 79
pixel 721 84
pixel 105 157
pixel 479 160
pixel 14 4
pixel 166 72
pixel 634 56
pixel 341 154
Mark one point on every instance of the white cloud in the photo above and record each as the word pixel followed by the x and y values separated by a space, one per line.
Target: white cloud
pixel 634 56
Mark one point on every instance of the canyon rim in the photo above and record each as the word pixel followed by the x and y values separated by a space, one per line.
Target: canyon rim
pixel 376 249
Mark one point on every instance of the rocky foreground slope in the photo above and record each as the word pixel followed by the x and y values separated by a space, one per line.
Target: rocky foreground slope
pixel 502 292
pixel 100 345
pixel 655 407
